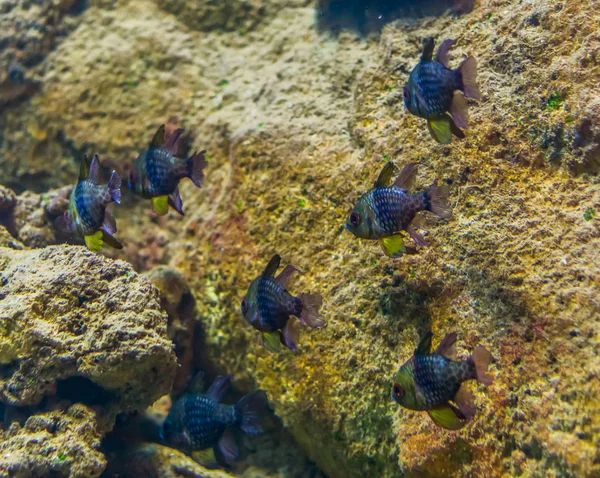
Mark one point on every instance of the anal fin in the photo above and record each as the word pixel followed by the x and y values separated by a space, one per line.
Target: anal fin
pixel 160 205
pixel 448 416
pixel 175 201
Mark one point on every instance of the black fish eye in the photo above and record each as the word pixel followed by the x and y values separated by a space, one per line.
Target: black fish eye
pixel 398 391
pixel 406 94
pixel 244 306
pixel 355 219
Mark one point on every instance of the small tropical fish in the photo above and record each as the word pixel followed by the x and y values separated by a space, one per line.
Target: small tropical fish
pixel 268 307
pixel 429 381
pixel 384 211
pixel 199 421
pixel 87 214
pixel 433 90
pixel 157 171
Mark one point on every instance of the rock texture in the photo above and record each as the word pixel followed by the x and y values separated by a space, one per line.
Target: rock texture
pixel 298 124
pixel 61 444
pixel 73 321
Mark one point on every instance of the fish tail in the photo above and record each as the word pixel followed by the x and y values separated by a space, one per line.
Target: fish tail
pixel 310 315
pixel 195 167
pixel 114 187
pixel 481 358
pixel 468 74
pixel 438 200
pixel 248 410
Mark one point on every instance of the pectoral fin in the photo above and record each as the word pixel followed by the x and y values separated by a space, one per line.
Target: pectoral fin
pixel 447 416
pixel 94 241
pixel 160 205
pixel 393 246
pixel 272 341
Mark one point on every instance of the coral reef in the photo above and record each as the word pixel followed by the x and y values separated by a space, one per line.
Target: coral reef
pixel 298 124
pixel 62 444
pixel 80 327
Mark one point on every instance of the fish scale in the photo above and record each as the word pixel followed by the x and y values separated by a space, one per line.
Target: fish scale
pixel 162 171
pixel 88 199
pixel 395 208
pixel 275 304
pixel 206 419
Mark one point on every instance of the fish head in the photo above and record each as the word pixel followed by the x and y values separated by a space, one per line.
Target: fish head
pixel 361 220
pixel 249 305
pixel 413 99
pixel 137 177
pixel 403 389
pixel 173 430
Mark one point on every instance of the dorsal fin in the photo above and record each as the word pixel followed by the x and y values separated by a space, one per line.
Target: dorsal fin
pixel 447 346
pixel 159 137
pixel 442 53
pixel 428 45
pixel 385 175
pixel 94 171
pixel 84 169
pixel 424 346
pixel 219 387
pixel 407 176
pixel 272 266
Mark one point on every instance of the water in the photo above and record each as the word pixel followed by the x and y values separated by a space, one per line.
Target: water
pixel 299 105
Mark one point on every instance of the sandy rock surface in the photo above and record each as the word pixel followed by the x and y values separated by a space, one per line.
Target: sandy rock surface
pixel 80 327
pixel 298 122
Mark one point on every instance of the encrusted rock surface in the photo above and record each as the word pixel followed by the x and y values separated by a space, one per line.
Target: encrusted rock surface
pixel 298 123
pixel 62 444
pixel 70 317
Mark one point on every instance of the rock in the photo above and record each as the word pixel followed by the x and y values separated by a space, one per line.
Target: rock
pixel 80 327
pixel 61 444
pixel 7 201
pixel 149 460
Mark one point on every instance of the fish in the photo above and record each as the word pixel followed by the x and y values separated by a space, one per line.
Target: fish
pixel 383 212
pixel 87 214
pixel 430 381
pixel 433 90
pixel 157 171
pixel 276 313
pixel 199 421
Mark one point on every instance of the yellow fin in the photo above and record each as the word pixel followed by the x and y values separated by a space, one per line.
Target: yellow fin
pixel 272 341
pixel 94 241
pixel 393 246
pixel 204 457
pixel 160 205
pixel 440 129
pixel 446 416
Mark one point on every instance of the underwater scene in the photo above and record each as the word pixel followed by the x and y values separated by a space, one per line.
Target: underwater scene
pixel 299 238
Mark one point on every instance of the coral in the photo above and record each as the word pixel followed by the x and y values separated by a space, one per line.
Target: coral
pixel 80 327
pixel 298 124
pixel 62 444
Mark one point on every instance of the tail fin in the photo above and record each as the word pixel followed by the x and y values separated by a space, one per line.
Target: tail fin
pixel 468 72
pixel 310 310
pixel 248 409
pixel 196 164
pixel 481 358
pixel 114 187
pixel 438 200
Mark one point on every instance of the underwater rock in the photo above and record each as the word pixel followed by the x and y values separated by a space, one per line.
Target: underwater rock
pixel 80 327
pixel 7 201
pixel 32 217
pixel 61 444
pixel 149 460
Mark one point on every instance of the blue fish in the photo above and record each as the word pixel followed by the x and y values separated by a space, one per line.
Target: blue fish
pixel 87 214
pixel 268 307
pixel 433 89
pixel 157 171
pixel 199 421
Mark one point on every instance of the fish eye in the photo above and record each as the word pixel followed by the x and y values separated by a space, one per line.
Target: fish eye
pixel 244 306
pixel 397 390
pixel 355 219
pixel 406 93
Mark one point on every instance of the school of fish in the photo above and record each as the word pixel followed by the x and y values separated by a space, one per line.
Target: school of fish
pixel 390 212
